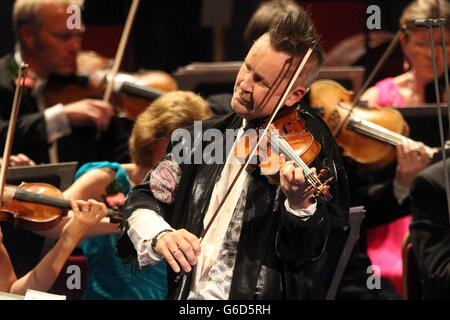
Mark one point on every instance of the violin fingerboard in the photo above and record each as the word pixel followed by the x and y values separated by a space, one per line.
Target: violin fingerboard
pixel 27 196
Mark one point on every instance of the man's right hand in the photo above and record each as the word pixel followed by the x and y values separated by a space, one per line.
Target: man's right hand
pixel 89 111
pixel 179 247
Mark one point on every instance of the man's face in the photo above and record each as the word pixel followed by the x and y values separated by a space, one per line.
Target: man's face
pixel 56 46
pixel 258 75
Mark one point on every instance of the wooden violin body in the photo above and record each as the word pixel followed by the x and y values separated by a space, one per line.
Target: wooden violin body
pixel 134 91
pixel 287 135
pixel 333 102
pixel 29 215
pixel 38 206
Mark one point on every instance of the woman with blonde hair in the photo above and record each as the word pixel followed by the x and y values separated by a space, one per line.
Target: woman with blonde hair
pixel 409 88
pixel 107 277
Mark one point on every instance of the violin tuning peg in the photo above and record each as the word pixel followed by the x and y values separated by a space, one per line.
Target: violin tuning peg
pixel 308 189
pixel 323 173
pixel 328 181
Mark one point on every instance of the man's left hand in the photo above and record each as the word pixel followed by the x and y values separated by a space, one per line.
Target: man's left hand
pixel 294 185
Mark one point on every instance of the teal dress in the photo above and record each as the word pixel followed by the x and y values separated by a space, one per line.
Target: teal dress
pixel 107 277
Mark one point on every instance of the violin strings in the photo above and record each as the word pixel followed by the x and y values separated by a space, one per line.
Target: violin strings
pixel 377 132
pixel 285 148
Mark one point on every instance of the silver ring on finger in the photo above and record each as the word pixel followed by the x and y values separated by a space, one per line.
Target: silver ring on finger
pixel 174 251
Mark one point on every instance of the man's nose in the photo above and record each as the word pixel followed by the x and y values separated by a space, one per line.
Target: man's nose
pixel 247 84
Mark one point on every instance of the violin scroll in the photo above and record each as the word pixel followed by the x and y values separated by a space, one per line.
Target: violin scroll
pixel 321 191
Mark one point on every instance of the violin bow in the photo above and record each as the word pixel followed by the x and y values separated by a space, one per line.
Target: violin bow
pixel 255 147
pixel 369 79
pixel 120 50
pixel 12 126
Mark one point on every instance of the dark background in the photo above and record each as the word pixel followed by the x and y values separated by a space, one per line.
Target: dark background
pixel 169 34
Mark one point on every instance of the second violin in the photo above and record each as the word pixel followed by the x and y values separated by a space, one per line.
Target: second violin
pixel 38 206
pixel 369 134
pixel 133 92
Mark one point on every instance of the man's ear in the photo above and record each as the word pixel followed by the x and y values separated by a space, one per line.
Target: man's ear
pixel 295 96
pixel 28 36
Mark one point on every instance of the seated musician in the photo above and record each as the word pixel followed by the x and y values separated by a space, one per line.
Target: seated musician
pixel 411 88
pixel 385 194
pixel 62 132
pixel 58 133
pixel 107 277
pixel 84 215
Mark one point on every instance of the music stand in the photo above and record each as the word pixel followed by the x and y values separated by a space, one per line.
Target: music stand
pixel 59 175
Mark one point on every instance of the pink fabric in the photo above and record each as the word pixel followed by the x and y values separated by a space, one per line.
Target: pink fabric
pixel 384 247
pixel 389 94
pixel 384 243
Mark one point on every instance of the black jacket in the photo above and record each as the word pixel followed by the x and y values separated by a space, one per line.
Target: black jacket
pixel 279 256
pixel 30 136
pixel 430 231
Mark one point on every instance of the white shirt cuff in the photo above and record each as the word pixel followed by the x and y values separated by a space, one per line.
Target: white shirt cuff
pixel 301 213
pixel 144 225
pixel 56 123
pixel 400 193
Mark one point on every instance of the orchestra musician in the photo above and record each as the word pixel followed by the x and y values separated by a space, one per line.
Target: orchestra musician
pixel 268 13
pixel 269 241
pixel 385 193
pixel 59 132
pixel 84 215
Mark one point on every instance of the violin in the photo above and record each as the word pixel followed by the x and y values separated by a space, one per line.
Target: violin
pixel 32 206
pixel 132 91
pixel 287 135
pixel 272 134
pixel 38 206
pixel 369 134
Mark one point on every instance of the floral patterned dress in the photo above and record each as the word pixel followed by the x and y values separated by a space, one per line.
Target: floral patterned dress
pixel 107 277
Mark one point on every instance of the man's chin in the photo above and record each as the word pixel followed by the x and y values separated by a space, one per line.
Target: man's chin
pixel 240 109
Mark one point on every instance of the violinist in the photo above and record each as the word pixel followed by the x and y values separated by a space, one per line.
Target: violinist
pixel 269 240
pixel 84 215
pixel 409 89
pixel 58 132
pixel 267 13
pixel 385 194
